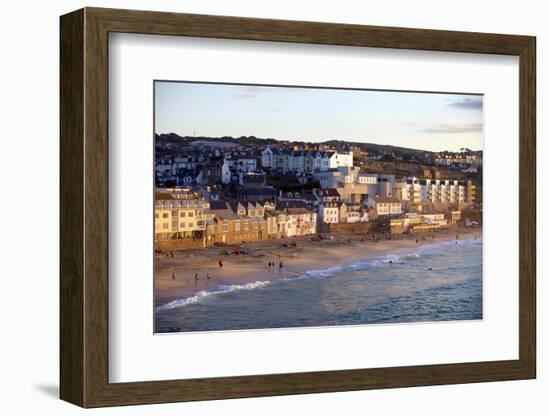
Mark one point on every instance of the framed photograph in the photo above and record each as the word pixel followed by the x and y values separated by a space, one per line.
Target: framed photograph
pixel 255 207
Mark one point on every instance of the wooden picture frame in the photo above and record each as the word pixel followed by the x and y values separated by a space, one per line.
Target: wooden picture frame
pixel 84 207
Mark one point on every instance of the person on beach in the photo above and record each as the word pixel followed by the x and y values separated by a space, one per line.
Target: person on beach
pixel 173 276
pixel 207 276
pixel 171 254
pixel 281 266
pixel 220 263
pixel 196 277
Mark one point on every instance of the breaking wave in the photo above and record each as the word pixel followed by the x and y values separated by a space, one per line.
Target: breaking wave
pixel 203 294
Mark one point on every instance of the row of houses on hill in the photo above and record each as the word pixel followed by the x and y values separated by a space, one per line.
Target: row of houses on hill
pixel 220 222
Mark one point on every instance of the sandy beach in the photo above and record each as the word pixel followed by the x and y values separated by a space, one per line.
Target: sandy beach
pixel 252 267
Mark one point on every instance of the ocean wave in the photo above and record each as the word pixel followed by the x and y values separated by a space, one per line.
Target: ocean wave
pixel 381 261
pixel 203 294
pixel 315 274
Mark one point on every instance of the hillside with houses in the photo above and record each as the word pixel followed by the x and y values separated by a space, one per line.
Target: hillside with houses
pixel 228 191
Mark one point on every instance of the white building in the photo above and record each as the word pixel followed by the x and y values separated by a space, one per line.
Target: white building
pixel 305 161
pixel 338 177
pixel 329 212
pixel 233 166
pixel 302 222
pixel 353 217
pixel 435 191
pixel 473 159
pixel 355 214
pixel 386 205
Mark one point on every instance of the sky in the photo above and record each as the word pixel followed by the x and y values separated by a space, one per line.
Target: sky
pixel 428 121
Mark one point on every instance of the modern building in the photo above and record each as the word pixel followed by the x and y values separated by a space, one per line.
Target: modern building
pixel 435 194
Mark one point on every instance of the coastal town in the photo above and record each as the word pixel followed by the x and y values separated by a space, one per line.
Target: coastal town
pixel 346 207
pixel 230 192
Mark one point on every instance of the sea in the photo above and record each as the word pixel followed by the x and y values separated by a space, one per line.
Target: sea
pixel 437 282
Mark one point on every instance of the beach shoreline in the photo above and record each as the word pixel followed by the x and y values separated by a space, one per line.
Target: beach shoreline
pixel 343 249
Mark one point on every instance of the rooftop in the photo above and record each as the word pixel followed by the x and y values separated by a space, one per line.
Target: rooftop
pixel 297 211
pixel 387 199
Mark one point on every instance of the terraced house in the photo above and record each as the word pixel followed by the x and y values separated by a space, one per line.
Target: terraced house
pixel 179 218
pixel 226 226
pixel 304 161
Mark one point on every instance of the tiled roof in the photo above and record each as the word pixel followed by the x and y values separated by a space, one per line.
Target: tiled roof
pixel 163 196
pixel 226 214
pixel 332 192
pixel 291 204
pixel 217 205
pixel 387 199
pixel 298 211
pixel 262 191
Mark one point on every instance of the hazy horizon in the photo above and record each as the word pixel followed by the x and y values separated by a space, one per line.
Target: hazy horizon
pixel 417 120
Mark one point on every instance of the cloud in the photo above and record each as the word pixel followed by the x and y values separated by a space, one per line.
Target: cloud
pixel 468 104
pixel 453 128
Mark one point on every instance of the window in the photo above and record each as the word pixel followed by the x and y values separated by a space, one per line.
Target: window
pixel 182 214
pixel 165 215
pixel 237 226
pixel 156 216
pixel 191 214
pixel 190 225
pixel 165 225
